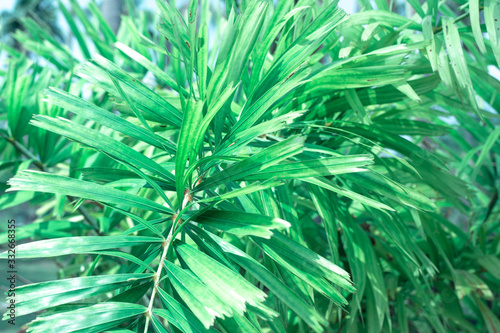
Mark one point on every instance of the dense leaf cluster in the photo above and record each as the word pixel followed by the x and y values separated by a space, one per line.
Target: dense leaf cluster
pixel 274 167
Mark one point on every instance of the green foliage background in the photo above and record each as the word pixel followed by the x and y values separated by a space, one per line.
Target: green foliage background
pixel 257 167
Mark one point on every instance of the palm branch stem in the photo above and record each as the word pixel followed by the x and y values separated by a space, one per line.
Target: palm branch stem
pixel 166 244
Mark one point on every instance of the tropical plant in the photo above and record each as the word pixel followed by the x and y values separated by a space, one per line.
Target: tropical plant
pixel 274 168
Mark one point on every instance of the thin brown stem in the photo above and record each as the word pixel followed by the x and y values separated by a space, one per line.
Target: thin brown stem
pixel 176 222
pixel 156 278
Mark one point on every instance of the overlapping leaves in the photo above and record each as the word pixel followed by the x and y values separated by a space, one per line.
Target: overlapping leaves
pixel 288 185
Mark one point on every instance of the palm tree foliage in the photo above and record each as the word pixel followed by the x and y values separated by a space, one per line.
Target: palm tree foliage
pixel 274 167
